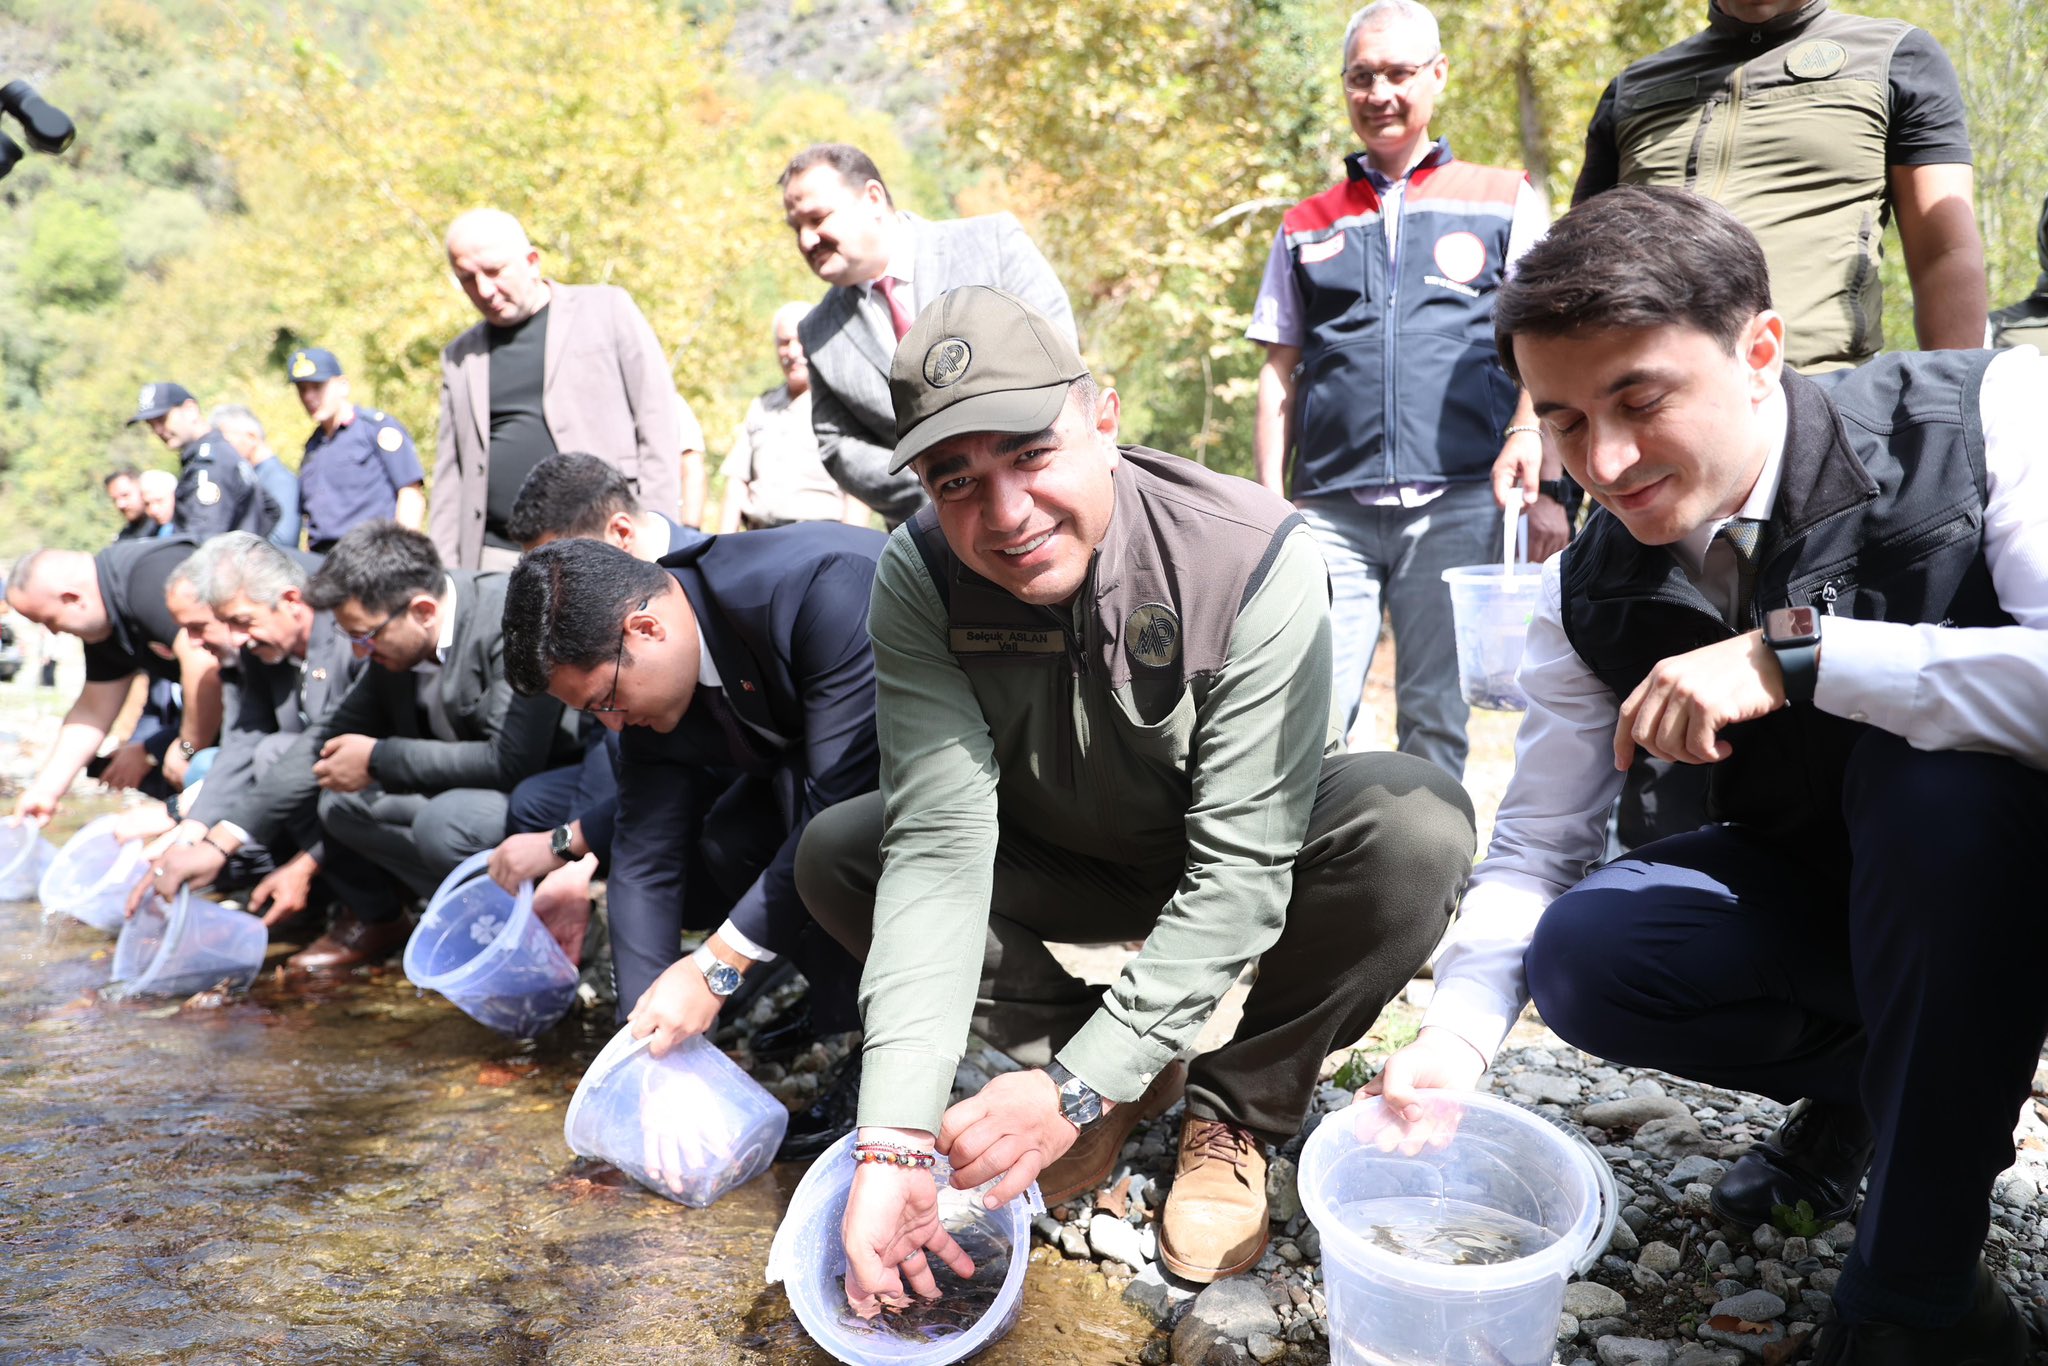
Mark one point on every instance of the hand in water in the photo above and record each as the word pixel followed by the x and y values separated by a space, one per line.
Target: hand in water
pixel 1416 1113
pixel 891 1224
pixel 679 1123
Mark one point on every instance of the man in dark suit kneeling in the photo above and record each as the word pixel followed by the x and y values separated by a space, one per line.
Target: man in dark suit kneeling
pixel 738 673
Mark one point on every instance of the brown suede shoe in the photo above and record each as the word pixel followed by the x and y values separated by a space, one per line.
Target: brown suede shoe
pixel 1087 1165
pixel 350 943
pixel 1214 1224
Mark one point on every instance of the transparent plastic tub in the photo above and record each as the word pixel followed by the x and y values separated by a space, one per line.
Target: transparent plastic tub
pixel 486 951
pixel 808 1257
pixel 186 946
pixel 1527 1188
pixel 24 857
pixel 1490 612
pixel 689 1125
pixel 90 878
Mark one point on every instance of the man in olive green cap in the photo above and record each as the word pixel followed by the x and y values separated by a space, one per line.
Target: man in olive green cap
pixel 1103 707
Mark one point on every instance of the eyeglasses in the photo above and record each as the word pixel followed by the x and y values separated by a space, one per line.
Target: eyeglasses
pixel 369 637
pixel 1364 78
pixel 611 707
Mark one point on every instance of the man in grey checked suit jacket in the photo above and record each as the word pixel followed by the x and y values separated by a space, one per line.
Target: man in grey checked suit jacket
pixel 883 266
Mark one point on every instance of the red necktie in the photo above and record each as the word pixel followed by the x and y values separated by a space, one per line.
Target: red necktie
pixel 898 318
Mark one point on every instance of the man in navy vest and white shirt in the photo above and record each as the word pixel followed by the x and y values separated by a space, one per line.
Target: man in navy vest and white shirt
pixel 1834 593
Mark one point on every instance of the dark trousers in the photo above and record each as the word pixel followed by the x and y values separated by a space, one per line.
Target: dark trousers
pixel 1389 845
pixel 561 795
pixel 1899 972
pixel 386 849
pixel 731 827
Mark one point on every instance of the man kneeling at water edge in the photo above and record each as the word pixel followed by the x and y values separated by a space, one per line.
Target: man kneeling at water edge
pixel 1103 699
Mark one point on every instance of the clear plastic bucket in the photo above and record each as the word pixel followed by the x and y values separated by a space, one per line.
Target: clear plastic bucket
pixel 189 945
pixel 486 951
pixel 809 1258
pixel 90 877
pixel 689 1125
pixel 1490 612
pixel 24 857
pixel 1531 1193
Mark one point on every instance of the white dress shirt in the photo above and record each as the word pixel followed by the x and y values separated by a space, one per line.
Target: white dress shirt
pixel 874 309
pixel 1938 688
pixel 708 677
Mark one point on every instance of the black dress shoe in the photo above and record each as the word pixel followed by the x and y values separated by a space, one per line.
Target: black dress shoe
pixel 829 1118
pixel 784 1036
pixel 1991 1334
pixel 1819 1155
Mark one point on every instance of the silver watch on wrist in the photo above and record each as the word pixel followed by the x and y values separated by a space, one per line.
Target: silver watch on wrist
pixel 722 977
pixel 1079 1102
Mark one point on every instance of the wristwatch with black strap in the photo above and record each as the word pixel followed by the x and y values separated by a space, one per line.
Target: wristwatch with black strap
pixel 1793 633
pixel 558 843
pixel 1079 1102
pixel 1553 489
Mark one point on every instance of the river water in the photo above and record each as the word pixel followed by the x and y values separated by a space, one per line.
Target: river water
pixel 359 1174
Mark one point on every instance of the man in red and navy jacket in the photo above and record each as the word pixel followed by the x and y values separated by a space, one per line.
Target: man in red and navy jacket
pixel 1381 378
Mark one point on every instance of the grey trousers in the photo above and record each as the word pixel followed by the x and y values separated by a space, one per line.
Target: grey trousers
pixel 1389 845
pixel 385 849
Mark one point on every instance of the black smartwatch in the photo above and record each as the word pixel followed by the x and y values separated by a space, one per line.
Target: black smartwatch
pixel 1553 489
pixel 1793 633
pixel 1079 1101
pixel 558 843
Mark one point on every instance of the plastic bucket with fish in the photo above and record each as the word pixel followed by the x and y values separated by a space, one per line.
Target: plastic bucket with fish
pixel 1456 1255
pixel 24 857
pixel 689 1125
pixel 90 877
pixel 809 1258
pixel 185 946
pixel 486 951
pixel 1491 606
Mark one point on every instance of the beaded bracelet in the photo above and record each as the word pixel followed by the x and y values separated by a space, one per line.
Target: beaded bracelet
pixel 893 1155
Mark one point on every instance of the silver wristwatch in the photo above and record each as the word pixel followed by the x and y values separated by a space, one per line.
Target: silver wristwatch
pixel 722 977
pixel 1079 1102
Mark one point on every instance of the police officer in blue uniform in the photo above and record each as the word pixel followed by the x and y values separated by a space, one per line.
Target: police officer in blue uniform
pixel 216 492
pixel 360 466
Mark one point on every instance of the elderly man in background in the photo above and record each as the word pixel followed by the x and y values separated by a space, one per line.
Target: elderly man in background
pixel 550 367
pixel 772 474
pixel 883 266
pixel 159 490
pixel 360 465
pixel 244 431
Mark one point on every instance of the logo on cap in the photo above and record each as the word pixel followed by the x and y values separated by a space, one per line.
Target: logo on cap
pixel 1152 635
pixel 147 398
pixel 946 362
pixel 302 366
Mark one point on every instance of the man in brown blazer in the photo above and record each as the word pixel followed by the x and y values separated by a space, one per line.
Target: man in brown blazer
pixel 550 367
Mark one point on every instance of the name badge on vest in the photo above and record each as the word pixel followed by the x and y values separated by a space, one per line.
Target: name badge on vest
pixel 1005 640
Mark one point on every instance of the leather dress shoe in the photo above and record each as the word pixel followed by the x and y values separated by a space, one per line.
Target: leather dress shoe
pixel 784 1035
pixel 1215 1221
pixel 350 943
pixel 828 1119
pixel 1084 1167
pixel 1819 1155
pixel 1991 1334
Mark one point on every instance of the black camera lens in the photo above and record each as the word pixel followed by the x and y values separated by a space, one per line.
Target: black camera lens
pixel 49 130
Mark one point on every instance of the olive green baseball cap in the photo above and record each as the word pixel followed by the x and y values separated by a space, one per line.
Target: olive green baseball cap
pixel 978 360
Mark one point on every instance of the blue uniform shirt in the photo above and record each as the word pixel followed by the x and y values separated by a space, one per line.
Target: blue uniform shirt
pixel 354 476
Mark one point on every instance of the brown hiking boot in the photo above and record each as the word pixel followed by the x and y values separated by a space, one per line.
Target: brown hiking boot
pixel 1087 1165
pixel 1215 1219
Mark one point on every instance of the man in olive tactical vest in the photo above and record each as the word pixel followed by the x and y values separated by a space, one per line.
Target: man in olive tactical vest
pixel 1834 596
pixel 1103 705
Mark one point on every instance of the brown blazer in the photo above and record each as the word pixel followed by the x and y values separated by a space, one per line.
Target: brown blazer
pixel 607 391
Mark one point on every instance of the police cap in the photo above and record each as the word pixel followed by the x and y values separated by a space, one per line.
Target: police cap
pixel 157 399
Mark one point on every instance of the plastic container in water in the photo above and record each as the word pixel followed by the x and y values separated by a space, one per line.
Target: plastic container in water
pixel 689 1125
pixel 809 1258
pixel 185 946
pixel 486 951
pixel 1508 1184
pixel 91 875
pixel 24 857
pixel 1490 612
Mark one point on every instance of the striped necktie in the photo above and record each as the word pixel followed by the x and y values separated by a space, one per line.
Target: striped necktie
pixel 1745 536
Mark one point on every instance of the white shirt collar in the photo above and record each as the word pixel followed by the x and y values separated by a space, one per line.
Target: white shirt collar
pixel 449 600
pixel 707 669
pixel 901 267
pixel 1691 549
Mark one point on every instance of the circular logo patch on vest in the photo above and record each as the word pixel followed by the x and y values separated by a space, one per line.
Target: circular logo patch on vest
pixel 1812 61
pixel 1460 256
pixel 390 439
pixel 1152 635
pixel 946 362
pixel 208 491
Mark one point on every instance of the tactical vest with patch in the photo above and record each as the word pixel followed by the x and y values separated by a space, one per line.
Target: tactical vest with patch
pixel 1785 127
pixel 1092 706
pixel 1400 380
pixel 1880 516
